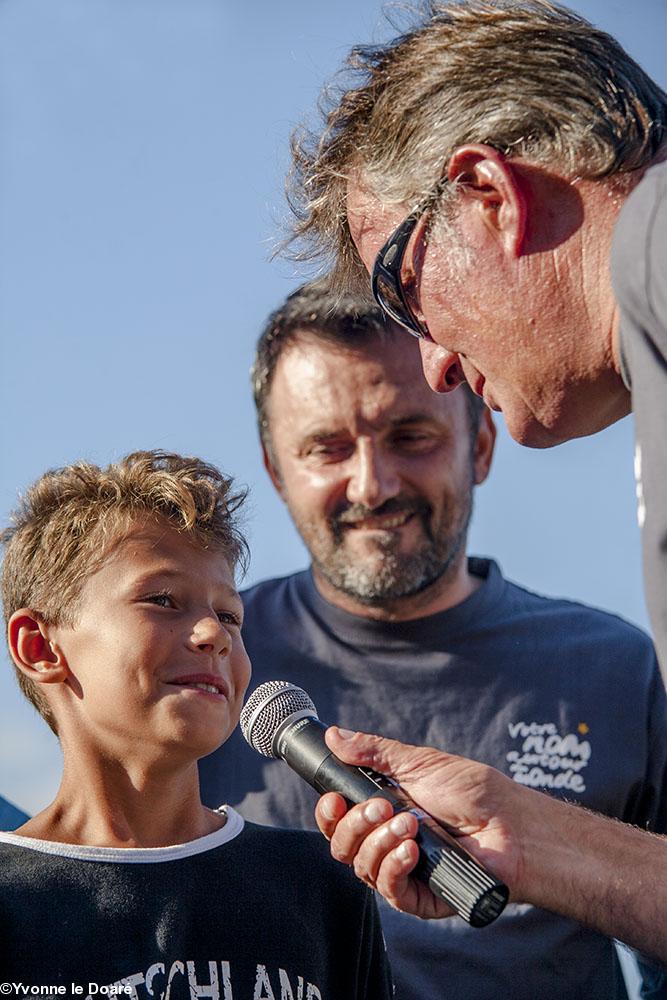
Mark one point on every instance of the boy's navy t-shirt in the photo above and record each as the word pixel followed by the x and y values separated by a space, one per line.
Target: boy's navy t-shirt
pixel 246 913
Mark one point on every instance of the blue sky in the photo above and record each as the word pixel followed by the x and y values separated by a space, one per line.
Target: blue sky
pixel 143 154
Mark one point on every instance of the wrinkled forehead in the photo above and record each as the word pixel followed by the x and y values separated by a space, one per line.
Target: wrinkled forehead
pixel 382 382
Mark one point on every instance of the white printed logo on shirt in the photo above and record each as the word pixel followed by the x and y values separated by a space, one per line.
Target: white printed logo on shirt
pixel 545 758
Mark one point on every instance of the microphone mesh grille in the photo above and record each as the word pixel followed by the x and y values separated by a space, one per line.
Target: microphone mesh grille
pixel 267 708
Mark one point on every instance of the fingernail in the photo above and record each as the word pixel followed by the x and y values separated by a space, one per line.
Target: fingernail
pixel 400 825
pixel 345 734
pixel 328 810
pixel 374 811
pixel 403 852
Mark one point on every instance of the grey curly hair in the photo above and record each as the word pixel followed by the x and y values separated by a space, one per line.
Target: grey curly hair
pixel 528 77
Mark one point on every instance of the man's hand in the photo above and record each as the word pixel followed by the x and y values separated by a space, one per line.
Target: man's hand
pixel 476 803
pixel 603 873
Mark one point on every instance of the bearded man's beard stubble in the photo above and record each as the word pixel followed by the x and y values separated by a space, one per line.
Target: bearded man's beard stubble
pixel 384 573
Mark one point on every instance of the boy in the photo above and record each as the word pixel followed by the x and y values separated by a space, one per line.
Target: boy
pixel 125 628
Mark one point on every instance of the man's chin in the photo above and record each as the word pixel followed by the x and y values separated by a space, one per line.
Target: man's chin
pixel 370 559
pixel 380 582
pixel 528 431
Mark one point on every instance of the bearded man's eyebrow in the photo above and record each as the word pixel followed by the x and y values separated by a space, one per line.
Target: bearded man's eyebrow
pixel 317 437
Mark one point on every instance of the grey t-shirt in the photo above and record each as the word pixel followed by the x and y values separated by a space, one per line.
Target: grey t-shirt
pixel 557 695
pixel 639 272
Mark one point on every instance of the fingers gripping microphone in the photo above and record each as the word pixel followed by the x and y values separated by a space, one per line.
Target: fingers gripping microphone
pixel 280 720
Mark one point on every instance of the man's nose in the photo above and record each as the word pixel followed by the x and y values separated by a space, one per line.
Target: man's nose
pixel 442 367
pixel 374 477
pixel 209 635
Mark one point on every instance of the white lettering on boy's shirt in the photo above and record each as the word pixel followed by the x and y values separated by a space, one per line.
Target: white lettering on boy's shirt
pixel 210 989
pixel 214 984
pixel 286 991
pixel 263 983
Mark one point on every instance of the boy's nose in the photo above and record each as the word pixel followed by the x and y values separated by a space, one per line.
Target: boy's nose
pixel 209 635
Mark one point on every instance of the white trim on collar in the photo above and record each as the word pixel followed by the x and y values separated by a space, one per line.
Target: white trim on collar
pixel 135 855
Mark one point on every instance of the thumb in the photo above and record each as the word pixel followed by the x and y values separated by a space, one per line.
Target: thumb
pixel 388 756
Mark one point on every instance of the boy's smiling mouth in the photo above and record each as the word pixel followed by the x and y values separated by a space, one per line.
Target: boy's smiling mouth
pixel 206 683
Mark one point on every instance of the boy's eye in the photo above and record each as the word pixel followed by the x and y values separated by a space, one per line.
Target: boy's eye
pixel 163 600
pixel 229 618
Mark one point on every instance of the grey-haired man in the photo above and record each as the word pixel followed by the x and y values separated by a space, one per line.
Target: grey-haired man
pixel 481 171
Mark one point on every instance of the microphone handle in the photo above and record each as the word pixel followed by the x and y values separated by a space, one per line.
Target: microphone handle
pixel 450 872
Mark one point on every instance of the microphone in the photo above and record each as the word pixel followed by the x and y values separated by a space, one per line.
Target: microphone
pixel 279 720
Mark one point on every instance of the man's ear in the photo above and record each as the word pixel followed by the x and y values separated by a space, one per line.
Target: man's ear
pixel 272 469
pixel 493 193
pixel 34 652
pixel 485 443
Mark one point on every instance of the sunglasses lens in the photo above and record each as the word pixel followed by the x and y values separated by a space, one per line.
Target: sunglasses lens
pixel 388 298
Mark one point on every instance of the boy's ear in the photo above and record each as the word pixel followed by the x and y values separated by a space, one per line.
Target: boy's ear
pixel 272 469
pixel 491 192
pixel 34 652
